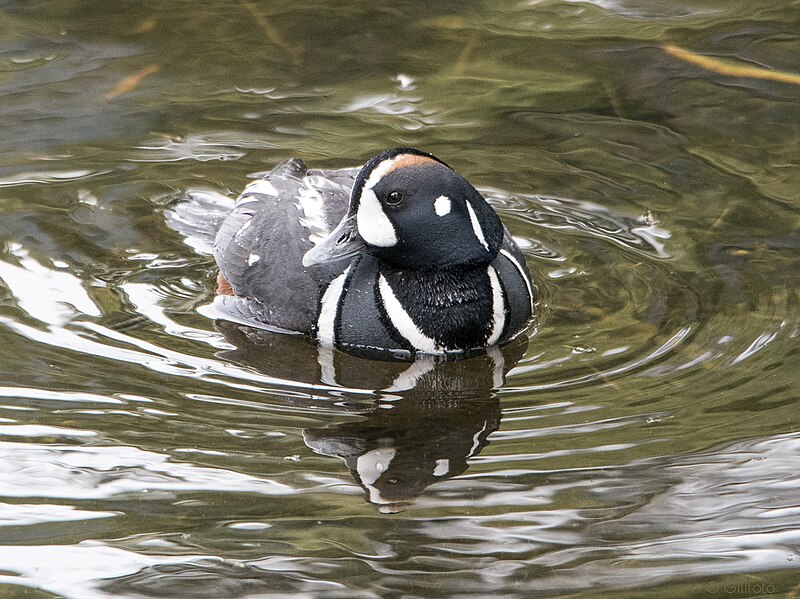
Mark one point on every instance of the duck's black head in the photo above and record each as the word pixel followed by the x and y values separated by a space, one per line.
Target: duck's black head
pixel 411 210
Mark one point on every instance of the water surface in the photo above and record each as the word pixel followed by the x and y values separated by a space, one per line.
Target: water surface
pixel 643 442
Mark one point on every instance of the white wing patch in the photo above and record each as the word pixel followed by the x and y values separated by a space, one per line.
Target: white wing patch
pixel 262 186
pixel 442 205
pixel 476 226
pixel 312 205
pixel 402 321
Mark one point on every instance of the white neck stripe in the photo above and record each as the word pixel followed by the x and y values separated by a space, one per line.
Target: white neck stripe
pixel 476 226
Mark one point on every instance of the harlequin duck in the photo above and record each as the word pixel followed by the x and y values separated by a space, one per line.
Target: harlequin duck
pixel 402 254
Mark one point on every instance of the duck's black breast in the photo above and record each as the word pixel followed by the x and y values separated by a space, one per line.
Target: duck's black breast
pixel 260 245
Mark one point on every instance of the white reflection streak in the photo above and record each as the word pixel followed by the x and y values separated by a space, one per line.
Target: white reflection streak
pixel 24 514
pixel 158 358
pixel 40 177
pixel 671 343
pixel 40 430
pixel 56 298
pixel 760 343
pixel 48 395
pixel 144 298
pixel 53 297
pixel 83 472
pixel 42 567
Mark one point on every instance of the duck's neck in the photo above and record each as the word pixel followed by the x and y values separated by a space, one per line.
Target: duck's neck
pixel 453 306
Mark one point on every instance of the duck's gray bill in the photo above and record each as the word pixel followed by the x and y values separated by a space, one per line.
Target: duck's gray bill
pixel 343 242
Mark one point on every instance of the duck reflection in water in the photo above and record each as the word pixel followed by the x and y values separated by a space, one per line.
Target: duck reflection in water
pixel 430 416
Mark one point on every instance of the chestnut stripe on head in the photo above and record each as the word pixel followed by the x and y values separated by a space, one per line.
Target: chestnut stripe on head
pixel 406 160
pixel 390 165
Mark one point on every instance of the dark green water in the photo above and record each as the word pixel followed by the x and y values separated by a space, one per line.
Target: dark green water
pixel 644 443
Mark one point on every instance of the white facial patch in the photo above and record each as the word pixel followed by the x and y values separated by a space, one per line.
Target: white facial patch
pixel 442 205
pixel 476 226
pixel 373 225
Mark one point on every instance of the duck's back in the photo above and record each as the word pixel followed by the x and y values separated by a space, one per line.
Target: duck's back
pixel 260 245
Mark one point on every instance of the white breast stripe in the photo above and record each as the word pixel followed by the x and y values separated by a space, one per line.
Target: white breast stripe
pixel 522 273
pixel 476 226
pixel 329 307
pixel 442 205
pixel 373 225
pixel 498 307
pixel 402 322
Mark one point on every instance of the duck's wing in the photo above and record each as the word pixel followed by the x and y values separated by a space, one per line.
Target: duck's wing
pixel 197 217
pixel 260 245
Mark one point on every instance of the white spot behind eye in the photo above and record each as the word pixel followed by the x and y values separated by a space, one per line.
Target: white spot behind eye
pixel 373 225
pixel 442 205
pixel 252 259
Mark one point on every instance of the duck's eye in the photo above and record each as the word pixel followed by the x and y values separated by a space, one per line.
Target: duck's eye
pixel 394 198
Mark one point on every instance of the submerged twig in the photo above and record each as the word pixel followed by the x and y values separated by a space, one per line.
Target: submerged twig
pixel 273 35
pixel 728 69
pixel 461 63
pixel 131 82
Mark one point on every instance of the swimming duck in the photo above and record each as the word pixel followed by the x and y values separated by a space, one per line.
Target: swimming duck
pixel 402 255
